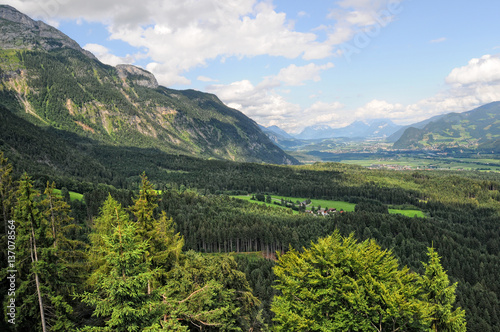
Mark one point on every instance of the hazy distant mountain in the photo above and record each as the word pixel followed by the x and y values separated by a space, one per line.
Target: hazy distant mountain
pixel 479 128
pixel 315 132
pixel 276 131
pixel 357 129
pixel 49 80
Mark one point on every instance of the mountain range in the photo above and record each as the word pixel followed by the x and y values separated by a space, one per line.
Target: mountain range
pixel 359 129
pixel 475 129
pixel 48 80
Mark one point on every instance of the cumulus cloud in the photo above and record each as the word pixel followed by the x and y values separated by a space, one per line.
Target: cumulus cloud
pixel 259 102
pixel 182 35
pixel 377 109
pixel 205 79
pixel 296 75
pixel 469 86
pixel 483 70
pixel 332 114
pixel 265 105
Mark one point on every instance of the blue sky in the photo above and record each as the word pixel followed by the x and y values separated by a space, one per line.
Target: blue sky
pixel 299 63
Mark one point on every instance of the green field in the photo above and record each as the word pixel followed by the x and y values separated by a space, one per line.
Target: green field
pixel 249 198
pixel 72 195
pixel 408 213
pixel 339 205
pixel 444 163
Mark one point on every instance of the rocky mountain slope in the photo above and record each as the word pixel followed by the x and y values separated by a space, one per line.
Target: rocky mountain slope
pixel 49 80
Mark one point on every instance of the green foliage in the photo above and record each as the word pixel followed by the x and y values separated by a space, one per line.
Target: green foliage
pixel 341 285
pixel 441 295
pixel 71 92
pixel 210 294
pixel 474 129
pixel 42 291
pixel 120 294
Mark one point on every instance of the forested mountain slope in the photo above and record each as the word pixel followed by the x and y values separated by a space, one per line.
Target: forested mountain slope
pixel 476 129
pixel 47 79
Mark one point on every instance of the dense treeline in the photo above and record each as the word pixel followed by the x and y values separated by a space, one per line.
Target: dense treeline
pixel 130 273
pixel 464 232
pixel 80 164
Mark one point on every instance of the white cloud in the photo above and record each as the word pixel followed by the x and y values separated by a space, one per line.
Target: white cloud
pixel 205 79
pixel 260 103
pixel 296 75
pixel 332 114
pixel 361 17
pixel 104 55
pixel 265 105
pixel 438 40
pixel 182 35
pixel 378 109
pixel 470 86
pixel 483 70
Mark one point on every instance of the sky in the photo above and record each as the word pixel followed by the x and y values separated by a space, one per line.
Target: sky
pixel 296 63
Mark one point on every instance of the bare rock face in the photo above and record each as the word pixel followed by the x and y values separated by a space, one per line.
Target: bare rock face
pixel 19 31
pixel 137 75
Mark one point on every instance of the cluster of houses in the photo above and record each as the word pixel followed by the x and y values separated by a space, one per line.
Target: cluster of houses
pixel 323 212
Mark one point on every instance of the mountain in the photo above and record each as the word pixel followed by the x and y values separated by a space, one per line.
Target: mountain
pixel 475 129
pixel 316 132
pixel 47 79
pixel 358 129
pixel 419 125
pixel 275 130
pixel 282 139
pixel 18 31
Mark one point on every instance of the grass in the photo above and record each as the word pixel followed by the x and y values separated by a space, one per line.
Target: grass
pixel 449 163
pixel 408 213
pixel 339 205
pixel 249 198
pixel 72 195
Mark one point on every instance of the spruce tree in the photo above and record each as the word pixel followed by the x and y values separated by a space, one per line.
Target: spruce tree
pixel 43 306
pixel 440 293
pixel 341 285
pixel 6 190
pixel 120 293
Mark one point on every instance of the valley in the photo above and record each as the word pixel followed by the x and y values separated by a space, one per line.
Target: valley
pixel 129 206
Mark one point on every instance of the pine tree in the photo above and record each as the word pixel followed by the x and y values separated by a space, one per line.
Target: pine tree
pixel 441 295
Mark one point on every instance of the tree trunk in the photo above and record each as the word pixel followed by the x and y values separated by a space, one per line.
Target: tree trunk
pixel 35 259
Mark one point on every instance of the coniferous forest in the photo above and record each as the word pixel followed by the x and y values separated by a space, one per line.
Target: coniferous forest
pixel 118 213
pixel 173 251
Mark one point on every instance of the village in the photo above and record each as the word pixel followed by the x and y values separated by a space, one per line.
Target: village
pixel 305 206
